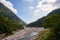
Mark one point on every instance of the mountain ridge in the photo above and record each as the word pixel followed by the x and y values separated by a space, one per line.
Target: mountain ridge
pixel 8 13
pixel 38 23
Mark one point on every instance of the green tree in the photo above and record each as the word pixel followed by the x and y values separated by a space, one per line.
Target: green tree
pixel 4 28
pixel 8 26
pixel 53 23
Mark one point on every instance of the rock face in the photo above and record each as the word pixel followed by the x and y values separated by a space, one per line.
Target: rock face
pixel 38 23
pixel 8 13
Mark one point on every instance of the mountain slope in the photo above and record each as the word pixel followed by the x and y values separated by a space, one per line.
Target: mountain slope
pixel 8 13
pixel 38 23
pixel 57 11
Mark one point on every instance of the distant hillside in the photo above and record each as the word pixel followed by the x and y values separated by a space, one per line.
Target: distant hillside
pixel 56 11
pixel 8 13
pixel 38 23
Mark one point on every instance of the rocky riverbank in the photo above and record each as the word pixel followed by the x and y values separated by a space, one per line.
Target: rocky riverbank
pixel 22 33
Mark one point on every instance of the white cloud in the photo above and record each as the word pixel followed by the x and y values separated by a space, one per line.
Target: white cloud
pixel 31 8
pixel 28 0
pixel 48 6
pixel 50 1
pixel 43 7
pixel 36 12
pixel 9 5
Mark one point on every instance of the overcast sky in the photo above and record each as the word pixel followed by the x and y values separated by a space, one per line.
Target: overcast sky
pixel 31 10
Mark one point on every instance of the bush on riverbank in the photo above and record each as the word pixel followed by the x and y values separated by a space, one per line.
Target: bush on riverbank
pixel 8 26
pixel 45 35
pixel 52 23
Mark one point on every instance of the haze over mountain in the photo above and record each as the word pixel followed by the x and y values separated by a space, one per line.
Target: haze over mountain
pixel 38 23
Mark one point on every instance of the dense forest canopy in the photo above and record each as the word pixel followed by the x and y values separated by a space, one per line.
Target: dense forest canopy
pixel 8 26
pixel 9 22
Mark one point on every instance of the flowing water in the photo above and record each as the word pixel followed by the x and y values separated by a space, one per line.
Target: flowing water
pixel 29 36
pixel 32 34
pixel 33 31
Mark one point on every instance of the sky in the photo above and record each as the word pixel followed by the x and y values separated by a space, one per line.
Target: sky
pixel 31 10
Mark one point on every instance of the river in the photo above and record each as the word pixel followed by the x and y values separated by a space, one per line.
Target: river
pixel 25 34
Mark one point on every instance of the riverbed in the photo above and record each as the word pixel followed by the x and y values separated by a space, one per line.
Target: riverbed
pixel 25 34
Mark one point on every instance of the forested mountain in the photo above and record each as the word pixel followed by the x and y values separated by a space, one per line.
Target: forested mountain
pixel 8 13
pixel 9 22
pixel 38 23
